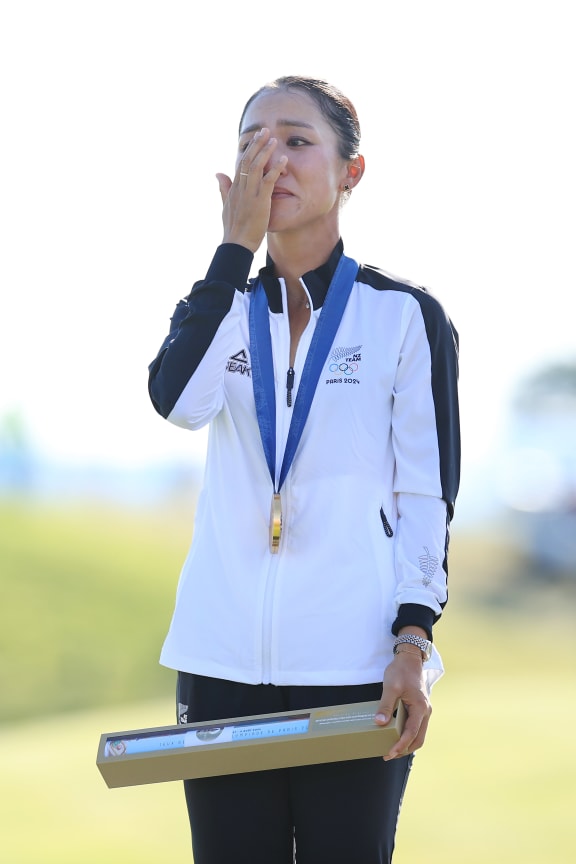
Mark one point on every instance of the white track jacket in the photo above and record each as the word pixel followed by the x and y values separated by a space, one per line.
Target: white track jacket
pixel 366 504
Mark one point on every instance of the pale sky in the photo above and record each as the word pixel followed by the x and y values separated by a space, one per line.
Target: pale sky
pixel 117 115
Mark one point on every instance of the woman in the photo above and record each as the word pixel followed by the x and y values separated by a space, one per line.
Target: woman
pixel 318 563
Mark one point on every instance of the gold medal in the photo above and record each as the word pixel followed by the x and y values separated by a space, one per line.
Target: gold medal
pixel 275 522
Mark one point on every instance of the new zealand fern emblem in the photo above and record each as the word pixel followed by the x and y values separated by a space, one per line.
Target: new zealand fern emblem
pixel 339 353
pixel 428 566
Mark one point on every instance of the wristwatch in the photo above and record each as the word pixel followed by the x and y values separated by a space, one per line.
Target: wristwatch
pixel 424 645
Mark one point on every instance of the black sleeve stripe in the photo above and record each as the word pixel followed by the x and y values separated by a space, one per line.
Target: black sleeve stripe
pixel 195 323
pixel 444 347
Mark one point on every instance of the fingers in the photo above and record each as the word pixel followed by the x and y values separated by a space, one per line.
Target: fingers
pixel 384 711
pixel 256 165
pixel 252 156
pixel 253 164
pixel 247 199
pixel 412 737
pixel 274 172
pixel 403 680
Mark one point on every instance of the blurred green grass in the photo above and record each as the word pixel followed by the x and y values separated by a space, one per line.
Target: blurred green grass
pixel 86 599
pixel 87 595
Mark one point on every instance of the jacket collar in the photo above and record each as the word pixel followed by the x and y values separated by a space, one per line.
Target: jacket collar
pixel 317 281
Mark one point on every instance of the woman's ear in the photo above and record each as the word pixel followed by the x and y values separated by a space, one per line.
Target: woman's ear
pixel 355 171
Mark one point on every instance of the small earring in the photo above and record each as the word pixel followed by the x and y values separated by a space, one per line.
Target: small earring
pixel 346 187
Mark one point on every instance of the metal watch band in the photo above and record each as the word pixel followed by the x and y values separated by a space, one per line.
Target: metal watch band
pixel 424 645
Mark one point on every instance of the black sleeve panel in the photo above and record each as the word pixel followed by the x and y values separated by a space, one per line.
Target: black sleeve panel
pixel 414 615
pixel 444 354
pixel 444 347
pixel 194 324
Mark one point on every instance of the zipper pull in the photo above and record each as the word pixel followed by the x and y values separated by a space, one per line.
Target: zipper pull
pixel 289 386
pixel 387 527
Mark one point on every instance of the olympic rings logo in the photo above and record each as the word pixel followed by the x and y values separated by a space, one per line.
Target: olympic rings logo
pixel 344 368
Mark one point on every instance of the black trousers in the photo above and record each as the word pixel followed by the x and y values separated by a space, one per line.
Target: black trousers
pixel 335 813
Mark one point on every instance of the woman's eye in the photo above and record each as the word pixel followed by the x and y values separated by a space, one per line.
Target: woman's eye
pixel 296 141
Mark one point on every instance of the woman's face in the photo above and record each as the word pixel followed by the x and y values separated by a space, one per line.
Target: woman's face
pixel 307 193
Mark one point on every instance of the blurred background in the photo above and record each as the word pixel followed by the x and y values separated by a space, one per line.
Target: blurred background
pixel 116 117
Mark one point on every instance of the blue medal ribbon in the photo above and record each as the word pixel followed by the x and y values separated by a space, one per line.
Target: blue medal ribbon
pixel 263 365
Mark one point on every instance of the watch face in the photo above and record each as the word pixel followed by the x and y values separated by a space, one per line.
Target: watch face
pixel 428 652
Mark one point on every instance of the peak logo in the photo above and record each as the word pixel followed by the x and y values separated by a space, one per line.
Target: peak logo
pixel 344 365
pixel 239 363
